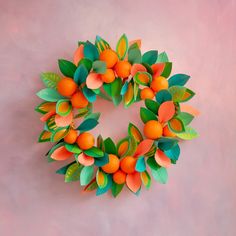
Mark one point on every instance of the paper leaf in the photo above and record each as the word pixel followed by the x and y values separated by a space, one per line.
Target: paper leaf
pixel 44 136
pixel 90 51
pixel 162 159
pixel 137 68
pixel 45 107
pixel 101 44
pixel 185 117
pixel 94 152
pixel 100 143
pixel 176 125
pixel 162 57
pixel 86 175
pixel 160 175
pixel 99 67
pixel 152 163
pixel 152 105
pixel 86 62
pixel 94 81
pixel 135 132
pixel 60 154
pixel 59 134
pixel 189 134
pixel 89 94
pixel 116 189
pixel 101 191
pixel 166 111
pixel 85 160
pixel 188 94
pixel 133 181
pixel 178 79
pixel 129 95
pixel 173 153
pixel 101 179
pixel 135 42
pixel 94 116
pixel 91 186
pixel 166 143
pixel 79 54
pixel 67 68
pixel 62 170
pixel 63 121
pixel 50 80
pixel 140 165
pixel 134 55
pixel 143 78
pixel 167 70
pixel 143 147
pixel 126 146
pixel 87 124
pixel 122 47
pixel 124 88
pixel 158 69
pixel 110 147
pixel 49 94
pixel 73 172
pixel 146 179
pixel 177 93
pixel 147 115
pixel 50 124
pixel 63 107
pixel 163 96
pixel 187 108
pixel 107 88
pixel 80 74
pixel 47 116
pixel 73 148
pixel 101 161
pixel 116 86
pixel 150 57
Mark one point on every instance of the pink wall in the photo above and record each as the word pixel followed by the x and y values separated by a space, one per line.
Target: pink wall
pixel 200 197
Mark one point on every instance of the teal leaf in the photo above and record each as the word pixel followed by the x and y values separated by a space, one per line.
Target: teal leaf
pixel 173 153
pixel 110 147
pixel 89 94
pixel 86 175
pixel 101 161
pixel 150 57
pixel 94 152
pixel 147 115
pixel 134 56
pixel 163 96
pixel 67 68
pixel 116 189
pixel 50 80
pixel 101 191
pixel 87 124
pixel 50 95
pixel 178 79
pixel 160 175
pixel 99 67
pixel 152 105
pixel 165 143
pixel 81 74
pixel 140 165
pixel 124 88
pixel 90 51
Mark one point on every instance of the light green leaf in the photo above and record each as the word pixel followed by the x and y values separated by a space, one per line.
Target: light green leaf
pixel 67 68
pixel 189 134
pixel 73 172
pixel 86 175
pixel 49 94
pixel 50 79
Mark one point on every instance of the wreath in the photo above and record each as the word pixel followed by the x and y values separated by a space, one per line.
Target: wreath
pixel 121 75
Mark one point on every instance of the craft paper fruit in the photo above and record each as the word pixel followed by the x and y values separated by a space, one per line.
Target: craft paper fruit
pixel 85 141
pixel 153 129
pixel 66 87
pixel 124 75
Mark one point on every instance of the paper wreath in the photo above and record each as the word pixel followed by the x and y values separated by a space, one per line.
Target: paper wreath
pixel 127 76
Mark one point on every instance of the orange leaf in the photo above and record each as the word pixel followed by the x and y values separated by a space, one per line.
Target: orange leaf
pixel 63 121
pixel 61 154
pixel 133 181
pixel 187 108
pixel 85 160
pixel 162 159
pixel 143 147
pixel 47 116
pixel 136 68
pixel 157 69
pixel 79 54
pixel 166 111
pixel 94 81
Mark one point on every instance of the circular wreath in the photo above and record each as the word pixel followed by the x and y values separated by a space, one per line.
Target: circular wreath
pixel 127 76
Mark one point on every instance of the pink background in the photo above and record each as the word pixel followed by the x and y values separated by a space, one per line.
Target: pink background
pixel 200 197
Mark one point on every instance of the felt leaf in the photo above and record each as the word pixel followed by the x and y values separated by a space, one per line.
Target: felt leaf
pixel 116 189
pixel 163 96
pixel 143 147
pixel 79 54
pixel 162 57
pixel 147 115
pixel 94 152
pixel 167 70
pixel 101 161
pixel 94 81
pixel 47 116
pixel 86 62
pixel 60 154
pixel 50 80
pixel 80 74
pixel 146 179
pixel 134 55
pixel 89 94
pixel 63 121
pixel 85 160
pixel 160 175
pixel 122 47
pixel 188 94
pixel 140 165
pixel 59 134
pixel 63 107
pixel 129 95
pixel 152 163
pixel 45 136
pixel 137 68
pixel 101 179
pixel 150 57
pixel 73 172
pixel 133 181
pixel 107 88
pixel 166 111
pixel 50 124
pixel 67 68
pixel 124 88
pixel 187 108
pixel 178 79
pixel 116 86
pixel 86 175
pixel 101 44
pixel 151 152
pixel 62 170
pixel 94 116
pixel 90 51
pixel 101 191
pixel 166 143
pixel 158 69
pixel 91 186
pixel 176 125
pixel 135 132
pixel 162 159
pixel 87 124
pixel 143 78
pixel 99 67
pixel 45 107
pixel 135 42
pixel 100 143
pixel 73 148
pixel 126 146
pixel 173 153
pixel 152 105
pixel 177 93
pixel 110 147
pixel 188 134
pixel 185 117
pixel 49 94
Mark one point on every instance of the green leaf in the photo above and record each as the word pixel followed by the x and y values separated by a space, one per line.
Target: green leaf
pixel 67 68
pixel 147 115
pixel 59 134
pixel 73 172
pixel 116 189
pixel 187 95
pixel 152 163
pixel 160 175
pixel 86 175
pixel 167 70
pixel 126 146
pixel 101 161
pixel 101 191
pixel 86 62
pixel 163 96
pixel 135 133
pixel 80 74
pixel 94 152
pixel 63 107
pixel 146 179
pixel 150 57
pixel 176 125
pixel 152 105
pixel 50 80
pixel 110 147
pixel 134 56
pixel 122 47
pixel 90 51
pixel 177 93
pixel 166 143
pixel 162 57
pixel 62 170
pixel 99 67
pixel 94 116
pixel 100 143
pixel 143 78
pixel 107 88
pixel 89 94
pixel 178 79
pixel 173 153
pixel 73 148
pixel 149 68
pixel 116 86
pixel 91 186
pixel 101 44
pixel 45 136
pixel 87 124
pixel 189 134
pixel 185 117
pixel 49 94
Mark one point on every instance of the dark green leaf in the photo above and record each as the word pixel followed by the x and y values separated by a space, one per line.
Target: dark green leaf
pixel 62 170
pixel 101 161
pixel 178 79
pixel 163 96
pixel 81 74
pixel 173 153
pixel 94 152
pixel 67 68
pixel 167 70
pixel 166 143
pixel 152 105
pixel 110 147
pixel 86 62
pixel 147 115
pixel 116 189
pixel 150 57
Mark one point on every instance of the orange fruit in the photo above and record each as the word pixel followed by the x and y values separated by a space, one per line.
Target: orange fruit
pixel 113 165
pixel 85 141
pixel 167 132
pixel 127 164
pixel 66 87
pixel 109 56
pixel 119 177
pixel 159 83
pixel 109 76
pixel 71 136
pixel 123 69
pixel 78 100
pixel 153 129
pixel 146 93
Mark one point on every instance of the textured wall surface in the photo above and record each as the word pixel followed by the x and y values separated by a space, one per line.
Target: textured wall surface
pixel 200 197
